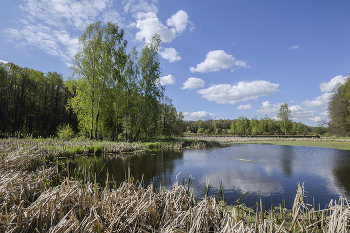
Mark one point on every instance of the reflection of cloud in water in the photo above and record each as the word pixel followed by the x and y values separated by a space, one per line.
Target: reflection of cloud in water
pixel 268 169
pixel 323 168
pixel 199 156
pixel 254 183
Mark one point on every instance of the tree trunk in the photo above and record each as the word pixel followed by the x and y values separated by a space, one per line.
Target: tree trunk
pixel 92 114
pixel 126 118
pixel 97 114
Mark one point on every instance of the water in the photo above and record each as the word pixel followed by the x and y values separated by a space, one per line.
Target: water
pixel 273 174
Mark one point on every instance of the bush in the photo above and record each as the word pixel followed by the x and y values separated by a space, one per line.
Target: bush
pixel 200 130
pixel 65 132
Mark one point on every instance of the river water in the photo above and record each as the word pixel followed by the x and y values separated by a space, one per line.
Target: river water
pixel 271 172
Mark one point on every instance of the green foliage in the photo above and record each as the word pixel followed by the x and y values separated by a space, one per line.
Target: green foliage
pixel 32 102
pixel 339 109
pixel 200 130
pixel 285 118
pixel 65 132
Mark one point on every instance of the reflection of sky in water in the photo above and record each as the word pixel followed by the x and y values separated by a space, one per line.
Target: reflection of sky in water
pixel 276 172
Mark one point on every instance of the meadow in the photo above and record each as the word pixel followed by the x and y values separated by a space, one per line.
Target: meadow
pixel 37 194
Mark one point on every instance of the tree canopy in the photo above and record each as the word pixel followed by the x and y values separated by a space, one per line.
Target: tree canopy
pixel 339 109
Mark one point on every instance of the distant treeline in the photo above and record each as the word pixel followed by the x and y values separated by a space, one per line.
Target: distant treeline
pixel 244 126
pixel 32 102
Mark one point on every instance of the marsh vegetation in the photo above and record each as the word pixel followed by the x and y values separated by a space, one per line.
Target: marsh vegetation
pixel 38 193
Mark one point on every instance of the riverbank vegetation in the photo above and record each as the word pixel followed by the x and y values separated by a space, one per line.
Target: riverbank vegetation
pixel 115 96
pixel 39 194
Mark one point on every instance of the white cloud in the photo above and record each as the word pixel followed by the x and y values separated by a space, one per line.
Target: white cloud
pixel 300 113
pixel 192 83
pixel 243 91
pixel 321 117
pixel 294 47
pixel 52 26
pixel 267 108
pixel 2 61
pixel 320 102
pixel 245 107
pixel 297 111
pixel 217 60
pixel 149 24
pixel 170 54
pixel 328 86
pixel 69 65
pixel 169 79
pixel 78 14
pixel 134 7
pixel 203 115
pixel 178 21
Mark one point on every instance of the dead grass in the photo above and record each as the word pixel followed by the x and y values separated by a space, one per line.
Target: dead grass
pixel 35 198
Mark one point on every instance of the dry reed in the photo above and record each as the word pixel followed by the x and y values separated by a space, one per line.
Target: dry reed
pixel 32 200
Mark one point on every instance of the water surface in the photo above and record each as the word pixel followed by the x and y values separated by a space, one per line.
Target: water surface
pixel 264 170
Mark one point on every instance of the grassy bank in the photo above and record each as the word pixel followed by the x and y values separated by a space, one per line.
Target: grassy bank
pixel 326 144
pixel 335 143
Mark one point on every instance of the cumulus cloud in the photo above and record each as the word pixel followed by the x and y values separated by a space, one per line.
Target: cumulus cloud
pixel 245 107
pixel 178 21
pixel 294 47
pixel 2 61
pixel 170 54
pixel 299 113
pixel 167 80
pixel 243 91
pixel 328 86
pixel 217 60
pixel 268 108
pixel 319 102
pixel 192 83
pixel 200 115
pixel 149 24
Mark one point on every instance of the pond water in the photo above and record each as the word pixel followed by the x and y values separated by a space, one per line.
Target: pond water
pixel 264 170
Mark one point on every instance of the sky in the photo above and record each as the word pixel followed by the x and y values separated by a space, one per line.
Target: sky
pixel 219 59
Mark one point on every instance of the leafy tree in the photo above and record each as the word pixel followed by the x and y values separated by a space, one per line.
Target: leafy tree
pixel 150 90
pixel 242 125
pixel 97 65
pixel 339 109
pixel 285 117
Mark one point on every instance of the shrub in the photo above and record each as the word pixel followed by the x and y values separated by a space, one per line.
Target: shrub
pixel 65 132
pixel 200 130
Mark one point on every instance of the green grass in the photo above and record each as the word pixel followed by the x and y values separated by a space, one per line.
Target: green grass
pixel 325 144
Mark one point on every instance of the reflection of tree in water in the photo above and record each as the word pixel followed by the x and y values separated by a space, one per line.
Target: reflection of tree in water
pixel 150 165
pixel 341 169
pixel 287 159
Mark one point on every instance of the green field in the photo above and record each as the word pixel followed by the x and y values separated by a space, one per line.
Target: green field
pixel 326 144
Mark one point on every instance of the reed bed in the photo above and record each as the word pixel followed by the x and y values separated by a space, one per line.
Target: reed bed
pixel 82 207
pixel 36 197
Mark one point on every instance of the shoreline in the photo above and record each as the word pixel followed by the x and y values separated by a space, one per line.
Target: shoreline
pixel 332 143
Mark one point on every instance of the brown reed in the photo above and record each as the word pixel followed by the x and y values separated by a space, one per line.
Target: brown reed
pixel 32 200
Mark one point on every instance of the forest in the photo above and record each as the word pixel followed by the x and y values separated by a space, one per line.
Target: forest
pixel 116 95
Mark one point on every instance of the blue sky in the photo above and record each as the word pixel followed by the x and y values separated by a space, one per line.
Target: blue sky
pixel 219 59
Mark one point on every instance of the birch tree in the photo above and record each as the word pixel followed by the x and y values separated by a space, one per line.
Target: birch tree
pixel 285 117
